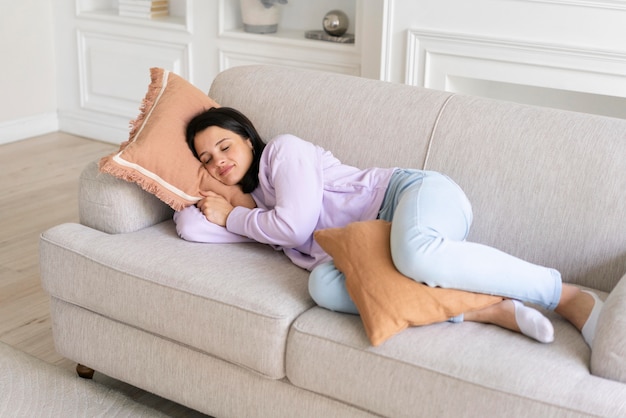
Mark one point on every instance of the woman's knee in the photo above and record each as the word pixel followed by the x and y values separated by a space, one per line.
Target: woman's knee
pixel 416 260
pixel 327 288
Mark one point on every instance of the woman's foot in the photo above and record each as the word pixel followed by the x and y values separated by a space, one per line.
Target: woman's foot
pixel 589 328
pixel 513 315
pixel 581 308
pixel 532 323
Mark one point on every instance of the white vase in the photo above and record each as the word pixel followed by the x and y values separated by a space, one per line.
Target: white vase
pixel 258 18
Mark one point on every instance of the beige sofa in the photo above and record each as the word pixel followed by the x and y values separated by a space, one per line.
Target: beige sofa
pixel 230 330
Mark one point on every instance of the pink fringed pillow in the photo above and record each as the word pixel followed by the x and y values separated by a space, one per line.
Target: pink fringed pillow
pixel 156 155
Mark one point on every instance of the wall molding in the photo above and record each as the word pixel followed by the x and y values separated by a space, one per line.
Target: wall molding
pixel 433 57
pixel 387 40
pixel 595 4
pixel 94 126
pixel 28 127
pixel 106 89
pixel 232 58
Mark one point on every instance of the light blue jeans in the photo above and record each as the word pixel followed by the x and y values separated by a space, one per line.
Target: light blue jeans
pixel 430 220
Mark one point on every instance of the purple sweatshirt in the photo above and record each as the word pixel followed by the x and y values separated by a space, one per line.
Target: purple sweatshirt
pixel 302 188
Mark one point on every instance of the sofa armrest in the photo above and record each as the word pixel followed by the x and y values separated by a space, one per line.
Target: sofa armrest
pixel 116 206
pixel 608 356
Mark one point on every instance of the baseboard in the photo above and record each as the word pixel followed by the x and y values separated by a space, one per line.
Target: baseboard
pixel 18 129
pixel 100 127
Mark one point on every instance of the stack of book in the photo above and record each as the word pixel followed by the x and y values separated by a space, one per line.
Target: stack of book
pixel 146 9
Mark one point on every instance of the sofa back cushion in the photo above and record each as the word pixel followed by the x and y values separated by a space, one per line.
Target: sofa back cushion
pixel 546 185
pixel 363 122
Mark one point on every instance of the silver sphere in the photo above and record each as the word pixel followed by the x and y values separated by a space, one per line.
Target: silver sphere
pixel 336 23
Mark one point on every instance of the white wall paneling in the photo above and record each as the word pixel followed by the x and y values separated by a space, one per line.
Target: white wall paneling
pixel 602 4
pixel 233 58
pixel 104 61
pixel 535 73
pixel 244 49
pixel 106 57
pixel 104 88
pixel 561 53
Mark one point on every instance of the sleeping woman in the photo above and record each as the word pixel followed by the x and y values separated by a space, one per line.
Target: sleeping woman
pixel 299 188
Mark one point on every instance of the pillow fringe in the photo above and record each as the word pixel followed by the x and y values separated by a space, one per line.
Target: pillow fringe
pixel 156 84
pixel 154 141
pixel 107 165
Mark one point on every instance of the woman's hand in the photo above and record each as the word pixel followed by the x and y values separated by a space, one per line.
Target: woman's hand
pixel 232 194
pixel 243 199
pixel 215 208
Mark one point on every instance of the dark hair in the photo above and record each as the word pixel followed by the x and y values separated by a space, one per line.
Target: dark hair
pixel 234 121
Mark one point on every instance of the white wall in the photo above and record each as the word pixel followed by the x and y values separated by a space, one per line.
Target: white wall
pixel 582 43
pixel 559 53
pixel 28 98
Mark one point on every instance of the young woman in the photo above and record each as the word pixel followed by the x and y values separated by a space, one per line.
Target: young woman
pixel 299 188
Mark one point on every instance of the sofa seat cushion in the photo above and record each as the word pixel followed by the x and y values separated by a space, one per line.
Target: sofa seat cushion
pixel 235 301
pixel 455 364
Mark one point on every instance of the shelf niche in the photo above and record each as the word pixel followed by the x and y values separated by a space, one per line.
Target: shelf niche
pixel 107 10
pixel 297 17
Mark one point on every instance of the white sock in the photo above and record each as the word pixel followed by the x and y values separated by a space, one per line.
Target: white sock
pixel 589 329
pixel 532 323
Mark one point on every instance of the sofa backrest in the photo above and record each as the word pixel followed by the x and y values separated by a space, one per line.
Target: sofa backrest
pixel 363 122
pixel 546 185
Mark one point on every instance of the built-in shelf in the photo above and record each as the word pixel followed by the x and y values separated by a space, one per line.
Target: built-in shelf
pixel 199 38
pixel 296 14
pixel 111 16
pixel 107 11
pixel 289 46
pixel 287 37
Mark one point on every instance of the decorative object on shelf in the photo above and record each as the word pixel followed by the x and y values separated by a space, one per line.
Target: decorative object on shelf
pixel 260 16
pixel 146 9
pixel 335 26
pixel 336 23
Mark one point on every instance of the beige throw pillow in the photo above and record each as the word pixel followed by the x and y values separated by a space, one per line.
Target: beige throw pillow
pixel 388 301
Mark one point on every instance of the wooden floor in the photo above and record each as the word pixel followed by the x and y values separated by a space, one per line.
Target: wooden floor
pixel 38 189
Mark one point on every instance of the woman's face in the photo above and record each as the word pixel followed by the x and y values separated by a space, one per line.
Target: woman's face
pixel 226 155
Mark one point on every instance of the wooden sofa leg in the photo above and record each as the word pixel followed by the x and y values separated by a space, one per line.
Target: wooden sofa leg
pixel 84 371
